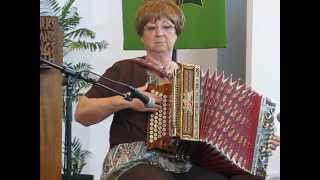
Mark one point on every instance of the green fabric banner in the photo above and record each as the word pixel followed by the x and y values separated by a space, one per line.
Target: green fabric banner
pixel 205 25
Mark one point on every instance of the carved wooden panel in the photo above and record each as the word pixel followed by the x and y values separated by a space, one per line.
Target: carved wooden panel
pixel 51 48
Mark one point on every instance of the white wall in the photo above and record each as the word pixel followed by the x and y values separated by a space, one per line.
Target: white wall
pixel 263 58
pixel 105 18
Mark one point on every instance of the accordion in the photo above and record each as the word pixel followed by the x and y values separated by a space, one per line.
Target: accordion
pixel 213 121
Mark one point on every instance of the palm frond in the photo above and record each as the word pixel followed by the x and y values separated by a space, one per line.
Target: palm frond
pixel 81 33
pixel 81 66
pixel 70 23
pixel 66 9
pixel 79 156
pixel 55 6
pixel 49 7
pixel 79 84
pixel 83 45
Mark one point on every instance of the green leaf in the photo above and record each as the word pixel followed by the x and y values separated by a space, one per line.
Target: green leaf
pixel 79 156
pixel 70 23
pixel 66 9
pixel 80 33
pixel 51 7
pixel 84 45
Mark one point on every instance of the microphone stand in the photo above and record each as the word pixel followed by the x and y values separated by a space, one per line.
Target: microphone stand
pixel 68 126
pixel 71 77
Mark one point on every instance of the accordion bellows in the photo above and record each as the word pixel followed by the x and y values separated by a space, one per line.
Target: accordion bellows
pixel 218 123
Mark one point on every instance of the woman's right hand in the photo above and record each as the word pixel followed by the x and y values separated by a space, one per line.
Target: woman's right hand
pixel 137 105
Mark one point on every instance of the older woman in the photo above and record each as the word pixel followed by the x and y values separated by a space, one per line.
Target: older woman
pixel 158 23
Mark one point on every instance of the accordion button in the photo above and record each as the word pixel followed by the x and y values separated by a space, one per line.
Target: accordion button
pixel 151 136
pixel 164 125
pixel 160 111
pixel 163 134
pixel 151 140
pixel 151 124
pixel 159 136
pixel 155 138
pixel 151 128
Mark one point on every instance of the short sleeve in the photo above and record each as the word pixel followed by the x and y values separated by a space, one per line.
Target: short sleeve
pixel 99 92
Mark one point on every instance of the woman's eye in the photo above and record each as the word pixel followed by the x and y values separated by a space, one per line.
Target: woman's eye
pixel 150 28
pixel 168 27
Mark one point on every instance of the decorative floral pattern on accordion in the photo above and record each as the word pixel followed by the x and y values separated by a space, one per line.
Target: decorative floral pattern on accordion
pixel 216 122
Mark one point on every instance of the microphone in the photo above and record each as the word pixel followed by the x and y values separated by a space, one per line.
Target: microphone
pixel 148 101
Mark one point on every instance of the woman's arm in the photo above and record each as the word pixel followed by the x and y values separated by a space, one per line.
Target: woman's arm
pixel 93 110
pixel 90 111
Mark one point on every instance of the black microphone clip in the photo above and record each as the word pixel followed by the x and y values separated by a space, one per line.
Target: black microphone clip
pixel 135 93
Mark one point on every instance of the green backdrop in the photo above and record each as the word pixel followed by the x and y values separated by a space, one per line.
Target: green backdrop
pixel 205 25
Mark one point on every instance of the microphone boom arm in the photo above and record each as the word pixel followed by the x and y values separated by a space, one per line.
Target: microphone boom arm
pixel 67 70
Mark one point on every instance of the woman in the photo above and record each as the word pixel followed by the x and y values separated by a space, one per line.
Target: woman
pixel 158 23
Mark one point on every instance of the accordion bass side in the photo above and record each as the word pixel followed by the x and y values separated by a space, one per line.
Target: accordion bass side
pixel 212 120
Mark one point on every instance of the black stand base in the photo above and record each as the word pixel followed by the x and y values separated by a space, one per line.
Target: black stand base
pixel 78 177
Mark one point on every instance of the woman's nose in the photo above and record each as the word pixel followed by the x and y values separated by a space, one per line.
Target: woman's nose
pixel 159 31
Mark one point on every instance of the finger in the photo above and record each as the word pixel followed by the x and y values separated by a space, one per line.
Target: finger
pixel 276 138
pixel 274 143
pixel 157 106
pixel 157 99
pixel 143 88
pixel 150 109
pixel 272 147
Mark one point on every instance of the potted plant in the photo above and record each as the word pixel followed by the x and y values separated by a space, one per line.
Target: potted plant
pixel 79 158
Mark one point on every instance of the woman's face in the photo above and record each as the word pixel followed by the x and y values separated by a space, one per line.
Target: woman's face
pixel 159 36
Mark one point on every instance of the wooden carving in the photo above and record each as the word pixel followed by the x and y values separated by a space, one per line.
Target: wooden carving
pixel 51 48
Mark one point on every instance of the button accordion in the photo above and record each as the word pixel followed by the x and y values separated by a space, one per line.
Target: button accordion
pixel 213 121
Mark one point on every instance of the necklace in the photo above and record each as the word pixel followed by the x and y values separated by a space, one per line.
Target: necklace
pixel 159 65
